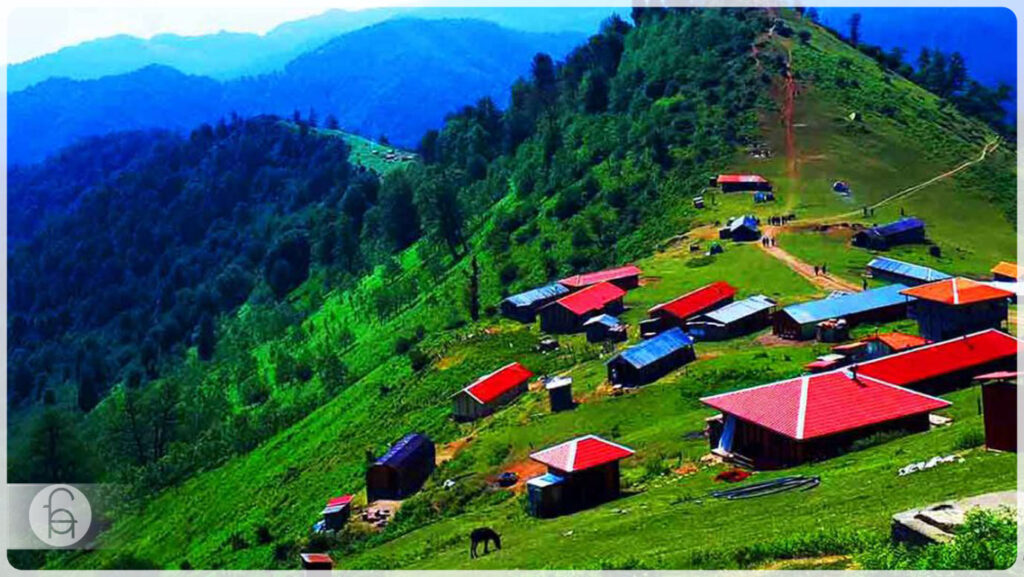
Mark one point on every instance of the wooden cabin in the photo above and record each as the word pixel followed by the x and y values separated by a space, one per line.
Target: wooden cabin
pixel 676 312
pixel 652 359
pixel 402 470
pixel 905 273
pixel 490 392
pixel 625 277
pixel 1006 272
pixel 582 473
pixel 567 314
pixel 741 183
pixel 523 307
pixel 790 422
pixel 800 321
pixel 957 306
pixel 732 320
pixel 605 328
pixel 903 231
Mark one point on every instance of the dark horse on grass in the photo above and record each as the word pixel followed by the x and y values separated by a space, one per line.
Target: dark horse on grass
pixel 483 535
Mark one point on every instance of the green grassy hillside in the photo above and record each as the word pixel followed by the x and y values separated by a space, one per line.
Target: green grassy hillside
pixel 588 189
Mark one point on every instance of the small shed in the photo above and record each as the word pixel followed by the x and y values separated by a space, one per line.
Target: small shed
pixel 903 231
pixel 732 320
pixel 1006 272
pixel 794 421
pixel 937 368
pixel 604 328
pixel 676 312
pixel 402 470
pixel 897 271
pixel 567 314
pixel 800 321
pixel 524 306
pixel 582 473
pixel 741 182
pixel 336 512
pixel 999 406
pixel 957 306
pixel 316 561
pixel 651 359
pixel 559 393
pixel 740 229
pixel 625 277
pixel 490 392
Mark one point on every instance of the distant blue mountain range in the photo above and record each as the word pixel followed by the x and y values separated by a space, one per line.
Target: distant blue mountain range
pixel 231 55
pixel 397 78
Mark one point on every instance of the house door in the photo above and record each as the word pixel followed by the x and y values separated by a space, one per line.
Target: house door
pixel 728 432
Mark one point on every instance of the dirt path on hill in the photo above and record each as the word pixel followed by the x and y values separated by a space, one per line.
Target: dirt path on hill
pixel 824 282
pixel 988 148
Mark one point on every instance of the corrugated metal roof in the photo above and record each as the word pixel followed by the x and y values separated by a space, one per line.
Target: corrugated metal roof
pixel 525 299
pixel 491 386
pixel 656 348
pixel 739 178
pixel 591 278
pixel 914 271
pixel 824 404
pixel 592 298
pixel 405 448
pixel 606 320
pixel 739 310
pixel 697 300
pixel 745 221
pixel 942 358
pixel 841 306
pixel 545 480
pixel 901 225
pixel 582 453
pixel 957 291
pixel 1007 269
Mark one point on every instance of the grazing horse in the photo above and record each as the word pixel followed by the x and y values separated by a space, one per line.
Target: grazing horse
pixel 483 535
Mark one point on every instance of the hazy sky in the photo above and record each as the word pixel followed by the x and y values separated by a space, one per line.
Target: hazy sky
pixel 42 28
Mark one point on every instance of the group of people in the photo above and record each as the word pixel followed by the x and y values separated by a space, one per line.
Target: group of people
pixel 768 241
pixel 780 220
pixel 821 270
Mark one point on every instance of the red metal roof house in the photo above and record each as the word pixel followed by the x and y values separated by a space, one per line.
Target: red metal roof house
pixel 790 422
pixel 582 473
pixel 948 365
pixel 741 182
pixel 336 512
pixel 677 311
pixel 316 561
pixel 957 306
pixel 490 392
pixel 567 314
pixel 625 277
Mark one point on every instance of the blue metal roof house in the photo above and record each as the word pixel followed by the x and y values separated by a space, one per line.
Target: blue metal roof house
pixel 604 327
pixel 741 229
pixel 800 321
pixel 402 470
pixel 734 319
pixel 524 306
pixel 897 271
pixel 903 231
pixel 652 359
